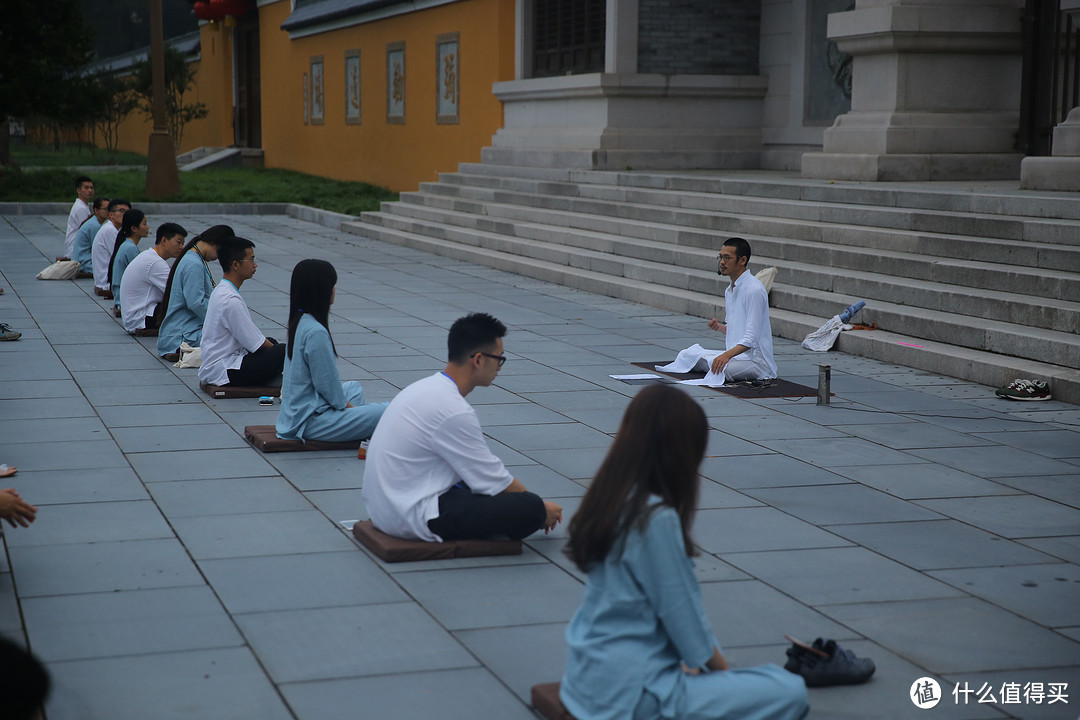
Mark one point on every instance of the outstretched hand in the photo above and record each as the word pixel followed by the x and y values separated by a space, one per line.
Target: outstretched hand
pixel 715 324
pixel 16 510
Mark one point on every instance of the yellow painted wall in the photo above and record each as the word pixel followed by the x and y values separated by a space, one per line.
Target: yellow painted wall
pixel 213 86
pixel 392 155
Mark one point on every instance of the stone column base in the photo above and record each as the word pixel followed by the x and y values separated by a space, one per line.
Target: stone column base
pixel 920 167
pixel 1050 173
pixel 612 121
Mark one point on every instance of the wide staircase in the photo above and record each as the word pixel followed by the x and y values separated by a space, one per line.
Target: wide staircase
pixel 977 283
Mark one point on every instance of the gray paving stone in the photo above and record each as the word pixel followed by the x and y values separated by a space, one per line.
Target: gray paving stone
pixel 156 438
pixel 747 613
pixel 1065 547
pixel 840 504
pixel 839 452
pixel 753 471
pixel 996 461
pixel 46 407
pixel 145 395
pixel 520 656
pixel 1051 443
pixel 409 696
pixel 339 642
pixel 1011 516
pixel 1061 488
pixel 340 470
pixel 93 485
pixel 938 544
pixel 923 480
pixel 1047 594
pixel 773 427
pixel 950 635
pixel 576 463
pixel 125 416
pixel 200 465
pixel 907 436
pixel 549 436
pixel 516 414
pixel 11 623
pixel 295 582
pixel 102 567
pixel 827 576
pixel 225 684
pixel 515 595
pixel 133 622
pixel 754 529
pixel 228 496
pixel 273 533
pixel 94 523
pixel 21 389
pixel 42 430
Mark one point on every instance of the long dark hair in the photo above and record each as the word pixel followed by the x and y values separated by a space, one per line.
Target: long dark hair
pixel 657 451
pixel 212 235
pixel 132 219
pixel 310 291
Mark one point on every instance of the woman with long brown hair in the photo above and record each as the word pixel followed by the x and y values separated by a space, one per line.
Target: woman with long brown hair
pixel 640 644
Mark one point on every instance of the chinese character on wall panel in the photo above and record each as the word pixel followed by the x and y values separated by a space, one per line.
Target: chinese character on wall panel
pixel 395 83
pixel 447 79
pixel 352 87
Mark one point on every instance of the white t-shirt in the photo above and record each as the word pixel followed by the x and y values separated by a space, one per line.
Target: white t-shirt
pixel 101 253
pixel 141 288
pixel 428 439
pixel 228 334
pixel 80 211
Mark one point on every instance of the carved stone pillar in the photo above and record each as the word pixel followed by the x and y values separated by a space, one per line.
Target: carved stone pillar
pixel 935 92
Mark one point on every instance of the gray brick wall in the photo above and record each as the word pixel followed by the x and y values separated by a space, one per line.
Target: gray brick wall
pixel 699 37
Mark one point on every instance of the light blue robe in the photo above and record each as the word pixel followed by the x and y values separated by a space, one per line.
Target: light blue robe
pixel 313 398
pixel 128 251
pixel 642 617
pixel 190 293
pixel 84 244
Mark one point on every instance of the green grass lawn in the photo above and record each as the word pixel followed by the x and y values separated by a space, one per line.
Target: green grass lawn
pixel 71 155
pixel 226 185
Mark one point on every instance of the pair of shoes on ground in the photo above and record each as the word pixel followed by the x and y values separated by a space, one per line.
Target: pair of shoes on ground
pixel 6 333
pixel 1025 390
pixel 825 663
pixel 107 294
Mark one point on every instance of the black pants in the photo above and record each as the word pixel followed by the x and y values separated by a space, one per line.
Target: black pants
pixel 260 367
pixel 465 515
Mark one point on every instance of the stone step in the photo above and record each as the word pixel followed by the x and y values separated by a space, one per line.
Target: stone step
pixel 977 366
pixel 539 193
pixel 795 262
pixel 610 256
pixel 993 198
pixel 659 224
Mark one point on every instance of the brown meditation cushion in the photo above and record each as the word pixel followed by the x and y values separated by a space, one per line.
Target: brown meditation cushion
pixel 391 549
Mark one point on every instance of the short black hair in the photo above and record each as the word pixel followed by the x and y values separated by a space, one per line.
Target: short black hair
pixel 24 682
pixel 215 235
pixel 168 230
pixel 82 179
pixel 100 202
pixel 472 334
pixel 116 203
pixel 742 248
pixel 233 250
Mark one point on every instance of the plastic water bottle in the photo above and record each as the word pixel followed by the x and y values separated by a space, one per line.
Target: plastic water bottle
pixel 845 317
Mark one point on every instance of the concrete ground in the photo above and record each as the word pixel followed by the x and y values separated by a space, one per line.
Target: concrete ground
pixel 176 572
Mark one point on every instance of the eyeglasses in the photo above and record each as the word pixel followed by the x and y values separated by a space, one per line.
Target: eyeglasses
pixel 500 358
pixel 252 259
pixel 722 256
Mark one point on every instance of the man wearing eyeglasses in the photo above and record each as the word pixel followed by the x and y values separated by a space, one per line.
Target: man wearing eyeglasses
pixel 430 474
pixel 748 333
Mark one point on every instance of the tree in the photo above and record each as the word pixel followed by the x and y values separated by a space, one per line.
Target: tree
pixel 179 78
pixel 114 100
pixel 44 42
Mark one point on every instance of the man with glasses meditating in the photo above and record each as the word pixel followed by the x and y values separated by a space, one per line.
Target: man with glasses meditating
pixel 749 349
pixel 430 475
